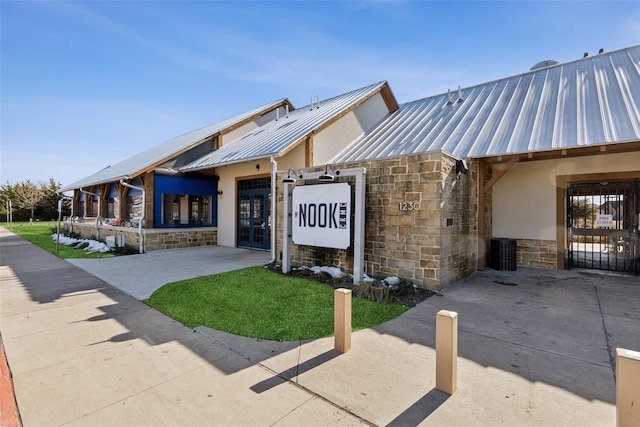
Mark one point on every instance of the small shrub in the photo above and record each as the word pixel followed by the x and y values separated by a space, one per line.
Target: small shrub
pixel 365 290
pixel 403 287
pixel 372 292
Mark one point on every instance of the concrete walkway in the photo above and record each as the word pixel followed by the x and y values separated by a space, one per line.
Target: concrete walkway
pixel 535 348
pixel 140 275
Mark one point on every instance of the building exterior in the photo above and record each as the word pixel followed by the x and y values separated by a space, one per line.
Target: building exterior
pixel 548 160
pixel 535 143
pixel 213 185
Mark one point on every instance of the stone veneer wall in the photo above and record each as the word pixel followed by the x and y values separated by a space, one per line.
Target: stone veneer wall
pixel 432 244
pixel 536 253
pixel 459 224
pixel 154 239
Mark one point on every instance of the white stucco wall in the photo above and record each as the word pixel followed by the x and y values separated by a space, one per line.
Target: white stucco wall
pixel 524 200
pixel 326 144
pixel 228 178
pixel 338 135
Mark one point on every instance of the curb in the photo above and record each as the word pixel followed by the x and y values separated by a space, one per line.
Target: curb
pixel 9 415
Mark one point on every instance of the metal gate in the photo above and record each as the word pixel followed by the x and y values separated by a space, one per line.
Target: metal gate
pixel 254 221
pixel 602 226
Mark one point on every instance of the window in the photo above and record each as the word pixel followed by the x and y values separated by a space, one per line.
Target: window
pixel 186 209
pixel 170 209
pixel 199 210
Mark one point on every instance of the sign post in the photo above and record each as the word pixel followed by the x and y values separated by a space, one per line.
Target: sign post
pixel 320 215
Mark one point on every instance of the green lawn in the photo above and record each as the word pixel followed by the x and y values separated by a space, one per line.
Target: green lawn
pixel 254 302
pixel 40 235
pixel 260 303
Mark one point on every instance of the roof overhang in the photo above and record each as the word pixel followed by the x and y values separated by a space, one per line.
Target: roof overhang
pixel 562 153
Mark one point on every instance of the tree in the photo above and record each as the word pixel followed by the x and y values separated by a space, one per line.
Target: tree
pixel 582 211
pixel 35 201
pixel 48 206
pixel 28 195
pixel 6 195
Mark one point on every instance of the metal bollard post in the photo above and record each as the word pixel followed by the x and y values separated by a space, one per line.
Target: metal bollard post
pixel 342 320
pixel 627 388
pixel 447 351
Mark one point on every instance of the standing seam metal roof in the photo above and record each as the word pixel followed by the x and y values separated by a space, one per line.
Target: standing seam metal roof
pixel 278 136
pixel 591 101
pixel 166 150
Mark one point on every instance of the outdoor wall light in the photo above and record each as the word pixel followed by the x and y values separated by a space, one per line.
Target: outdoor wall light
pixel 461 167
pixel 292 179
pixel 219 192
pixel 326 176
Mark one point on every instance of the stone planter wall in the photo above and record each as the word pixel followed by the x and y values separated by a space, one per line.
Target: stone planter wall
pixel 154 239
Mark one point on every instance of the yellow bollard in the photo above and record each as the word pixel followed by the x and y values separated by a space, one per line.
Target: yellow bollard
pixel 342 320
pixel 447 351
pixel 627 388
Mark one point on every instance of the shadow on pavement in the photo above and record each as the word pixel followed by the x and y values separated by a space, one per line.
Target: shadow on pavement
pixel 291 373
pixel 420 411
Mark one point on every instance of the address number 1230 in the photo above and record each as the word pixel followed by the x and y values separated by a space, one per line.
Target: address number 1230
pixel 409 206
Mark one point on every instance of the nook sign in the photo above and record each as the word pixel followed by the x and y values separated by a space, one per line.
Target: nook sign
pixel 322 215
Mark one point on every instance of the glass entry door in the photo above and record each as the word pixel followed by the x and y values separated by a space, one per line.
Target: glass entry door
pixel 254 221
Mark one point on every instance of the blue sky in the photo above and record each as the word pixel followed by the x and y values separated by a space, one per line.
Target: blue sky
pixel 87 84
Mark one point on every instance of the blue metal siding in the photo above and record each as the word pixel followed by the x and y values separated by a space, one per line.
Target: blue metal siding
pixel 165 184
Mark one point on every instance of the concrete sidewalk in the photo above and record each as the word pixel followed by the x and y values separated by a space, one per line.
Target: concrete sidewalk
pixel 140 275
pixel 535 349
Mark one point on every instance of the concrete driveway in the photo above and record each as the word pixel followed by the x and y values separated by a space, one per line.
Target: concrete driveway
pixel 560 328
pixel 140 275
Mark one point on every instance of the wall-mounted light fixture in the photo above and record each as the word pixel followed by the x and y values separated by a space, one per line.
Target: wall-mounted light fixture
pixel 461 167
pixel 292 179
pixel 219 192
pixel 326 176
pixel 258 167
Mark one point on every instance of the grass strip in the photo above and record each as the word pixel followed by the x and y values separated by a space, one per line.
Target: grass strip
pixel 39 233
pixel 260 303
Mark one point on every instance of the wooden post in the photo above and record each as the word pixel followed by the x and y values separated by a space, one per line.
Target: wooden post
pixel 447 351
pixel 342 320
pixel 627 388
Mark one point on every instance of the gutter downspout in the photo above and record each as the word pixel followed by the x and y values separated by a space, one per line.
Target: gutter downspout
pixel 70 198
pixel 274 207
pixel 144 203
pixel 99 210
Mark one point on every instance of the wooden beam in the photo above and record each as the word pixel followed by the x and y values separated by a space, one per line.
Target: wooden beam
pixel 560 221
pixel 512 161
pixel 482 246
pixel 308 155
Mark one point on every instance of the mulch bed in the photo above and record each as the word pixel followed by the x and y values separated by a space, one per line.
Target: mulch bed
pixel 409 300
